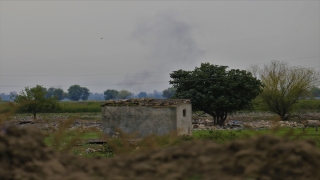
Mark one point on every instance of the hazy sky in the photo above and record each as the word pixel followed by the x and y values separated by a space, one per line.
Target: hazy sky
pixel 134 45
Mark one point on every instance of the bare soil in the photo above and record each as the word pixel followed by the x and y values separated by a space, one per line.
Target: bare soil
pixel 23 155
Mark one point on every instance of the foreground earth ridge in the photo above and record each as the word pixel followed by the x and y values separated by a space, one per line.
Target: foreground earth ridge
pixel 25 156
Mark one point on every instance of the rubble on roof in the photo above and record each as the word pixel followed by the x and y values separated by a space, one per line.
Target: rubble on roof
pixel 145 102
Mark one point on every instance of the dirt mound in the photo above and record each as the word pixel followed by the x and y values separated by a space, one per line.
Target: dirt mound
pixel 23 155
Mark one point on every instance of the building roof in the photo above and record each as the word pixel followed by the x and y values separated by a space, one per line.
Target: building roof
pixel 146 102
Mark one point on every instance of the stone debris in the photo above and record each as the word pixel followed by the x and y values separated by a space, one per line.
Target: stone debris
pixel 258 124
pixel 115 134
pixel 54 125
pixel 50 127
pixel 90 150
pixel 145 102
pixel 201 124
pixel 50 122
pixel 270 124
pixel 51 117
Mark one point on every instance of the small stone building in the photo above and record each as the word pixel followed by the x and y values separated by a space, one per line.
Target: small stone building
pixel 147 116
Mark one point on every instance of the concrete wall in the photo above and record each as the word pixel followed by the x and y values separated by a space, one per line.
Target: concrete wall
pixel 147 120
pixel 184 119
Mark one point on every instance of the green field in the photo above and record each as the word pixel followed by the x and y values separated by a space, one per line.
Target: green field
pixel 67 106
pixel 66 140
pixel 80 106
pixel 227 135
pixel 303 106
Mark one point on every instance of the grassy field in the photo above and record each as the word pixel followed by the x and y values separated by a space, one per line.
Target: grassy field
pixel 80 106
pixel 223 136
pixel 72 140
pixel 304 105
pixel 68 106
pixel 68 141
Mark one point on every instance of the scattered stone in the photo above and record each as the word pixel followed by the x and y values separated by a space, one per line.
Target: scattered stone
pixel 195 126
pixel 237 125
pixel 90 150
pixel 146 102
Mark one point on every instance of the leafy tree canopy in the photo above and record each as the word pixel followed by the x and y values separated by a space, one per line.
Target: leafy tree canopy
pixel 96 96
pixel 49 92
pixel 168 93
pixel 8 97
pixel 110 94
pixel 315 92
pixel 85 93
pixel 124 94
pixel 215 90
pixel 33 100
pixel 284 85
pixel 156 95
pixel 142 95
pixel 114 94
pixel 76 92
pixel 55 92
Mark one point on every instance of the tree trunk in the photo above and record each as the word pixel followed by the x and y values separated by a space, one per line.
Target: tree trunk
pixel 215 120
pixel 222 118
pixel 284 117
pixel 34 115
pixel 221 121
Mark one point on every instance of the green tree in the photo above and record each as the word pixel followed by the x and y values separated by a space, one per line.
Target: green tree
pixel 142 95
pixel 49 92
pixel 13 95
pixel 65 95
pixel 110 94
pixel 284 85
pixel 33 100
pixel 76 92
pixel 315 92
pixel 8 97
pixel 156 94
pixel 85 93
pixel 96 96
pixel 55 92
pixel 216 91
pixel 58 93
pixel 168 93
pixel 123 94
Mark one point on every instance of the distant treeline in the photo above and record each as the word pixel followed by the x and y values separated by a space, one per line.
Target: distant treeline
pixel 303 106
pixel 111 94
pixel 77 93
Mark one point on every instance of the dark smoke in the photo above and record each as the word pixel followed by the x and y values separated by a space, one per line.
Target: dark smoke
pixel 170 47
pixel 169 40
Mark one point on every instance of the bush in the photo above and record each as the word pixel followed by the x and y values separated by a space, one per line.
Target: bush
pixel 307 105
pixel 219 136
